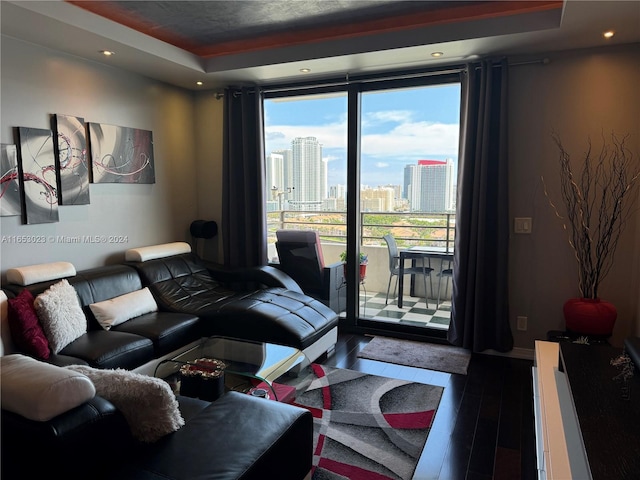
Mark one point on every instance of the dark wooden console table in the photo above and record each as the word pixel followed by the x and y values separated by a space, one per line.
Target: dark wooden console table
pixel 609 424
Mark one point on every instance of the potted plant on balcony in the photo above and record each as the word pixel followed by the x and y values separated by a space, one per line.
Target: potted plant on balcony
pixel 598 202
pixel 364 259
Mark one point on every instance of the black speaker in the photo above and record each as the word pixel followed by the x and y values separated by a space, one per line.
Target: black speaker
pixel 203 229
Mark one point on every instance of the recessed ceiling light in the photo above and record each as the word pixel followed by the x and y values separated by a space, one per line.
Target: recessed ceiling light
pixel 437 54
pixel 305 70
pixel 198 83
pixel 107 53
pixel 608 34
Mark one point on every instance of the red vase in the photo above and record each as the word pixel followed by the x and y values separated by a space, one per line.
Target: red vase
pixel 589 316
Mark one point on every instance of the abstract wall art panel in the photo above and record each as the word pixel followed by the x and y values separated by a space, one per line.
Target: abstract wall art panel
pixel 38 175
pixel 121 154
pixel 9 182
pixel 71 155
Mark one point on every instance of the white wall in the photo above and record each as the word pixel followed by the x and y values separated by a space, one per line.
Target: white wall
pixel 36 83
pixel 578 94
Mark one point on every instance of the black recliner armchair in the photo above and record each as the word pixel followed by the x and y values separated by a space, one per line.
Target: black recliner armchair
pixel 301 258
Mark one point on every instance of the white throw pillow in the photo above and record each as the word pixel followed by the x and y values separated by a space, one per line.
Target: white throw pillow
pixel 147 403
pixel 115 311
pixel 60 314
pixel 40 391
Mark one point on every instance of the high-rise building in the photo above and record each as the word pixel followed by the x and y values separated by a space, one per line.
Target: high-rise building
pixel 429 186
pixel 337 191
pixel 287 169
pixel 397 190
pixel 275 171
pixel 324 178
pixel 279 179
pixel 309 174
pixel 407 181
pixel 381 199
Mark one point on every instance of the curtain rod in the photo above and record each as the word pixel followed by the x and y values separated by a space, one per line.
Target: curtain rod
pixel 360 79
pixel 374 78
pixel 543 61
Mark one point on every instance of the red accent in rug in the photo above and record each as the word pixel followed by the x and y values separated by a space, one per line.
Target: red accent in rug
pixel 350 471
pixel 410 420
pixel 357 416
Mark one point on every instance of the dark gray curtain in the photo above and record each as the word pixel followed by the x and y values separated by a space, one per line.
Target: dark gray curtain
pixel 480 310
pixel 244 228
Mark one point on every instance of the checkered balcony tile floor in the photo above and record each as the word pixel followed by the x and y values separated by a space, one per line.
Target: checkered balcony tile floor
pixel 413 311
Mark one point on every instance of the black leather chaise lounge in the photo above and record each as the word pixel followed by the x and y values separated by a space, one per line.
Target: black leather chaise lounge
pixel 261 304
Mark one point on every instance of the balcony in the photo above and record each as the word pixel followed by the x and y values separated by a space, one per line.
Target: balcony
pixel 409 229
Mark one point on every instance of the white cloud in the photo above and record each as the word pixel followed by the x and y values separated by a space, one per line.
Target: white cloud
pixel 381 164
pixel 413 139
pixel 396 116
pixel 407 138
pixel 332 135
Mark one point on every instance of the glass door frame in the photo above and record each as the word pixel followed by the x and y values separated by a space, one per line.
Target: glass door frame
pixel 355 87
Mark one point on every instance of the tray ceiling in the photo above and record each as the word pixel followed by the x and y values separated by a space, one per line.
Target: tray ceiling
pixel 270 41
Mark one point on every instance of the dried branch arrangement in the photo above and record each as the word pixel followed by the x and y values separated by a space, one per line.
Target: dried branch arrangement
pixel 599 201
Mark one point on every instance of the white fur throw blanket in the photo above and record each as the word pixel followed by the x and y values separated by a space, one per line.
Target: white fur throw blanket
pixel 147 403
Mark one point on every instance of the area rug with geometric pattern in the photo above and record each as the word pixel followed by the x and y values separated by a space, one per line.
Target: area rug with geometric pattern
pixel 366 427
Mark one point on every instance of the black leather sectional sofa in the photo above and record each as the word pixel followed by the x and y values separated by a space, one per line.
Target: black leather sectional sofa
pixel 129 345
pixel 194 300
pixel 280 314
pixel 235 437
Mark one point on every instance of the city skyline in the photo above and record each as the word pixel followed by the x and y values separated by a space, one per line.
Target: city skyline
pixel 428 185
pixel 399 128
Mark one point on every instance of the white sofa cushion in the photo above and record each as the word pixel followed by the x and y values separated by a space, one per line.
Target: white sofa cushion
pixel 143 254
pixel 115 311
pixel 40 391
pixel 40 273
pixel 60 314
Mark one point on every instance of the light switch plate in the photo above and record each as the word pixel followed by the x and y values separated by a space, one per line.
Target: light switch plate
pixel 522 224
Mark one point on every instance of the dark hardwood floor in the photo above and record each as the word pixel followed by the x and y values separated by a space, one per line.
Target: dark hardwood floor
pixel 484 426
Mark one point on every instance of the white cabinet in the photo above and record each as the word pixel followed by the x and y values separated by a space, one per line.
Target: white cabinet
pixel 559 450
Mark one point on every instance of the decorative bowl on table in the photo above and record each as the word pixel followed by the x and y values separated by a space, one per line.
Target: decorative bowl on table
pixel 202 378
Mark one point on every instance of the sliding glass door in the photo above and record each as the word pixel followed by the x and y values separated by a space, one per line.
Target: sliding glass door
pixel 408 170
pixel 360 161
pixel 306 168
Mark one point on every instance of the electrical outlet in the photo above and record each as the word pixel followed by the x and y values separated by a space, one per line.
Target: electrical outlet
pixel 522 323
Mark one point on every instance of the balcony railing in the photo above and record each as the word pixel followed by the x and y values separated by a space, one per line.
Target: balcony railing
pixel 409 228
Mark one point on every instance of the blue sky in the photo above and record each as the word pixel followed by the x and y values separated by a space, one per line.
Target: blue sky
pixel 399 127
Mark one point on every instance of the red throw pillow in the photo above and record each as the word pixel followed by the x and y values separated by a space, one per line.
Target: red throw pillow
pixel 26 331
